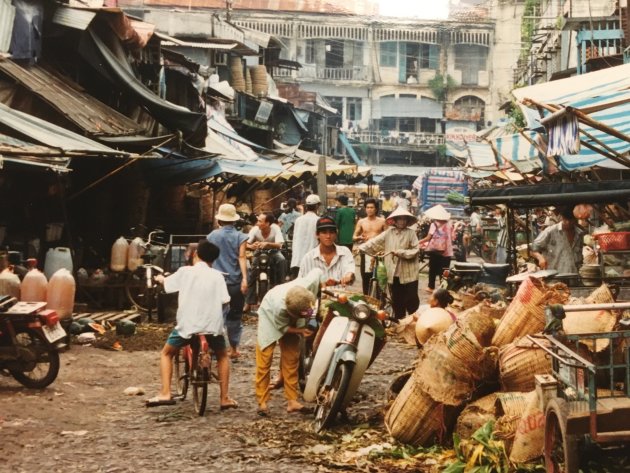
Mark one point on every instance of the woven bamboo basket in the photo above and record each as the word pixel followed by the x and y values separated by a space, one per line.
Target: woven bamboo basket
pixel 259 81
pixel 526 313
pixel 248 81
pixel 446 378
pixel 475 415
pixel 601 295
pixel 477 321
pixel 519 362
pixel 416 419
pixel 510 407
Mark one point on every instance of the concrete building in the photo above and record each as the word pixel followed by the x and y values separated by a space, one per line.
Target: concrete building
pixel 402 88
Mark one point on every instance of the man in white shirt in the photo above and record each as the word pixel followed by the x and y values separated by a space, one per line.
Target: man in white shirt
pixel 202 297
pixel 335 261
pixel 266 235
pixel 304 233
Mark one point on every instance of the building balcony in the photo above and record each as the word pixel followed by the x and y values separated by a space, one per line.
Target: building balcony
pixel 398 139
pixel 341 73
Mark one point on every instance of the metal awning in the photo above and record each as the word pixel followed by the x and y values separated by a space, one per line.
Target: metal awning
pixel 70 100
pixel 556 193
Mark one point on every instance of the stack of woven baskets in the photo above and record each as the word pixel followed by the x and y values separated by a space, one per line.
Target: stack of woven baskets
pixel 259 81
pixel 472 356
pixel 236 74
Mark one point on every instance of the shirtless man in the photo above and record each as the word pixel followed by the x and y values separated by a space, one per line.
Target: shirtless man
pixel 366 229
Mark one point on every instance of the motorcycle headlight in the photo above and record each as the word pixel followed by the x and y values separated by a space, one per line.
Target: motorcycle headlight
pixel 264 258
pixel 361 312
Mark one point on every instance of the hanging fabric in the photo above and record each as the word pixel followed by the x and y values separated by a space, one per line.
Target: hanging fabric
pixel 564 136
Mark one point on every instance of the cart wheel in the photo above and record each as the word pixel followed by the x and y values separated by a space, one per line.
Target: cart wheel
pixel 561 449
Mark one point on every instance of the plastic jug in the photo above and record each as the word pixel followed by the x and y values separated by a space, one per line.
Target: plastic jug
pixel 34 286
pixel 57 258
pixel 120 249
pixel 9 283
pixel 61 290
pixel 134 257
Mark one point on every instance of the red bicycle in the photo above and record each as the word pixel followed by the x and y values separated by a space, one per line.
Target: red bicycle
pixel 192 367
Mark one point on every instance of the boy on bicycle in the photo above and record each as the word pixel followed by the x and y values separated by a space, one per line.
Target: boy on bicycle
pixel 202 297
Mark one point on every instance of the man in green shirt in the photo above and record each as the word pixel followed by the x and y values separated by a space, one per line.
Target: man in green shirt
pixel 344 219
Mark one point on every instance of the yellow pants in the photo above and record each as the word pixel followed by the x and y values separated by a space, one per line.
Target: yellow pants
pixel 289 360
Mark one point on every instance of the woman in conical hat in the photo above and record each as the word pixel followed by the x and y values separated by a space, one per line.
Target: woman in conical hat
pixel 399 243
pixel 438 243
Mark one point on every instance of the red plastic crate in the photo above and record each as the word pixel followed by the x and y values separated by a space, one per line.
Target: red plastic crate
pixel 614 241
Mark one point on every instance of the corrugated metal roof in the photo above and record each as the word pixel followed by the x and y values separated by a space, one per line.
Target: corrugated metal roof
pixel 73 18
pixel 7 15
pixel 92 116
pixel 357 7
pixel 54 136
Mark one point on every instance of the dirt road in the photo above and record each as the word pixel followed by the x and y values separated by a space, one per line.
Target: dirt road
pixel 84 422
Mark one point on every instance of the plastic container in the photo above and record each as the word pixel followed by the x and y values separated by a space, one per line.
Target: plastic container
pixel 9 283
pixel 57 258
pixel 613 241
pixel 120 250
pixel 134 256
pixel 61 291
pixel 34 286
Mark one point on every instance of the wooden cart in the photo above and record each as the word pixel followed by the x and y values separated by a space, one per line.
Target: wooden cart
pixel 584 400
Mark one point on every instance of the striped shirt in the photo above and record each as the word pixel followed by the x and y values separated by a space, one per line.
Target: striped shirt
pixel 341 264
pixel 502 237
pixel 404 242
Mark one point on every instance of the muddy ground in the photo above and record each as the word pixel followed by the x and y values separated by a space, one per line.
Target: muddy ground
pixel 84 422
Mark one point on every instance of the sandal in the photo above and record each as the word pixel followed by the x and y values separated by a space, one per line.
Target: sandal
pixel 230 405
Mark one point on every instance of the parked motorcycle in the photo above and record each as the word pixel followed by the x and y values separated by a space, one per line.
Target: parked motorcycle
pixel 353 336
pixel 467 275
pixel 30 341
pixel 262 260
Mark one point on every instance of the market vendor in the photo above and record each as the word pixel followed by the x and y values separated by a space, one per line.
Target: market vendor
pixel 559 246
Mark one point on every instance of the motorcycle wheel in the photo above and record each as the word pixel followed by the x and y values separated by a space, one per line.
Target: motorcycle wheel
pixel 263 287
pixel 306 358
pixel 41 366
pixel 329 399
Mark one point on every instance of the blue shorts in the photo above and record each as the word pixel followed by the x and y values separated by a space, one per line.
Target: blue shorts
pixel 216 342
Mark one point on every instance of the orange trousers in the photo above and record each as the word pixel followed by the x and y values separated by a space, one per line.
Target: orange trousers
pixel 289 361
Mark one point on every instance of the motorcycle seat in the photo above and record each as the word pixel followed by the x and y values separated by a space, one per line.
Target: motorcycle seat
pixel 496 265
pixel 467 266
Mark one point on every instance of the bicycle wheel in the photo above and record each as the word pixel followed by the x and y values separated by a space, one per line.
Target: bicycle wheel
pixel 200 378
pixel 181 369
pixel 140 296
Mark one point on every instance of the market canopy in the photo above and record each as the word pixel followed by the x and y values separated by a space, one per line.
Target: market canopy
pixel 556 193
pixel 586 117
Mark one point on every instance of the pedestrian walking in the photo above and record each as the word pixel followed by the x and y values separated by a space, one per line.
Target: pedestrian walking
pixel 439 243
pixel 344 219
pixel 304 233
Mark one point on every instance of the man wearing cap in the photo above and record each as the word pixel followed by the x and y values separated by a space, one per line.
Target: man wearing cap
pixel 399 243
pixel 335 261
pixel 304 233
pixel 344 218
pixel 232 262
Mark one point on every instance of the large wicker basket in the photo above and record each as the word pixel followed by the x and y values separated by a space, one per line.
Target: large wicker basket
pixel 416 419
pixel 475 415
pixel 519 362
pixel 510 407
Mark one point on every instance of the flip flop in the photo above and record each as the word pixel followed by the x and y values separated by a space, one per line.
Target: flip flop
pixel 301 410
pixel 232 405
pixel 263 412
pixel 155 402
pixel 277 384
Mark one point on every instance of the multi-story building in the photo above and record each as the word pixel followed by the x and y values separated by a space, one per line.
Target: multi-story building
pixel 403 88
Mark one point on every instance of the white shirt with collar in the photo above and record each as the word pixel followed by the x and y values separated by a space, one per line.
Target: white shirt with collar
pixel 202 293
pixel 341 264
pixel 304 237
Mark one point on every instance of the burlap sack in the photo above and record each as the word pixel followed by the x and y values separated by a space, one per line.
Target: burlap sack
pixel 509 410
pixel 526 313
pixel 519 362
pixel 475 415
pixel 595 321
pixel 406 330
pixel 530 432
pixel 416 419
